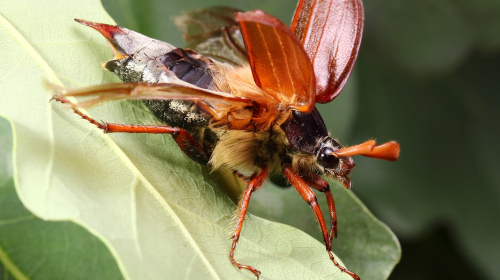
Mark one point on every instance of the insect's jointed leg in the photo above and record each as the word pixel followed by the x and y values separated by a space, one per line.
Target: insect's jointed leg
pixel 308 195
pixel 243 177
pixel 318 183
pixel 185 141
pixel 234 45
pixel 252 186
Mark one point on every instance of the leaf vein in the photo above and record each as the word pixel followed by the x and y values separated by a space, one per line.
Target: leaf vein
pixel 10 266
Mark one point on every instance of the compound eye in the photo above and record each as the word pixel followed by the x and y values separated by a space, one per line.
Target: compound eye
pixel 327 159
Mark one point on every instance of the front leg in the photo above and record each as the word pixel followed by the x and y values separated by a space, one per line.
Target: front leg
pixel 308 195
pixel 318 183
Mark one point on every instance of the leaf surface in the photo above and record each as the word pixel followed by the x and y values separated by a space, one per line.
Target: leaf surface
pixel 31 248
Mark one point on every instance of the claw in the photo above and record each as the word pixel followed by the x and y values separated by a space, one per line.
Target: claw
pixel 249 268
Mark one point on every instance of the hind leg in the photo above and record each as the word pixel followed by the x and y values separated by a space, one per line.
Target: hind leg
pixel 183 139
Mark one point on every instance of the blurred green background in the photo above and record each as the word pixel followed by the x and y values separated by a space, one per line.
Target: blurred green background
pixel 427 76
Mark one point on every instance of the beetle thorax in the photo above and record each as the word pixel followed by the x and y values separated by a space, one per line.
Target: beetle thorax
pixel 311 149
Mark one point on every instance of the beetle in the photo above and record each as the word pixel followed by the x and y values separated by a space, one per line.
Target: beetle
pixel 253 109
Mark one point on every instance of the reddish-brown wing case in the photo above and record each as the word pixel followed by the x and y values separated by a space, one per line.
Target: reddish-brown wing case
pixel 280 66
pixel 330 31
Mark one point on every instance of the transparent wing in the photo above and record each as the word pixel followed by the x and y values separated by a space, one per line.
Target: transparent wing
pixel 213 32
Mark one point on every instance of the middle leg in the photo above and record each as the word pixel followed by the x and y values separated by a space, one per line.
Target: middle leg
pixel 255 183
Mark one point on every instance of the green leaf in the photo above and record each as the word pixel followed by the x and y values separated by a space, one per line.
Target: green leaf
pixel 31 248
pixel 362 243
pixel 158 213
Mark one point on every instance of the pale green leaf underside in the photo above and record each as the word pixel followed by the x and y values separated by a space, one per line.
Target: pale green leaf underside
pixel 31 248
pixel 159 213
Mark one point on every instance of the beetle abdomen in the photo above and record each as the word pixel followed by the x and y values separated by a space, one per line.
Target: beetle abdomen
pixel 183 113
pixel 188 68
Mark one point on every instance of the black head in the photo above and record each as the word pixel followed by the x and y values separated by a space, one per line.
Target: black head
pixel 329 163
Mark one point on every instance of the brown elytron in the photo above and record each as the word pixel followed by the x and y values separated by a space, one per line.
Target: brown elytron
pixel 330 32
pixel 247 100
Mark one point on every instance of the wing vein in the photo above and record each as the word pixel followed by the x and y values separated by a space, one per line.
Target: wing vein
pixel 290 76
pixel 48 70
pixel 268 53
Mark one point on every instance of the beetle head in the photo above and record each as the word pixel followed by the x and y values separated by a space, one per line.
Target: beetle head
pixel 331 164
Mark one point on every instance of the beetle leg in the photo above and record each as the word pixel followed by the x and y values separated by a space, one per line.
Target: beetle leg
pixel 243 177
pixel 308 195
pixel 318 183
pixel 232 42
pixel 252 186
pixel 185 141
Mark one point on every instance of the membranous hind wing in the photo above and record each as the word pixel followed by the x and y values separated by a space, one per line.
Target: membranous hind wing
pixel 214 33
pixel 330 31
pixel 279 64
